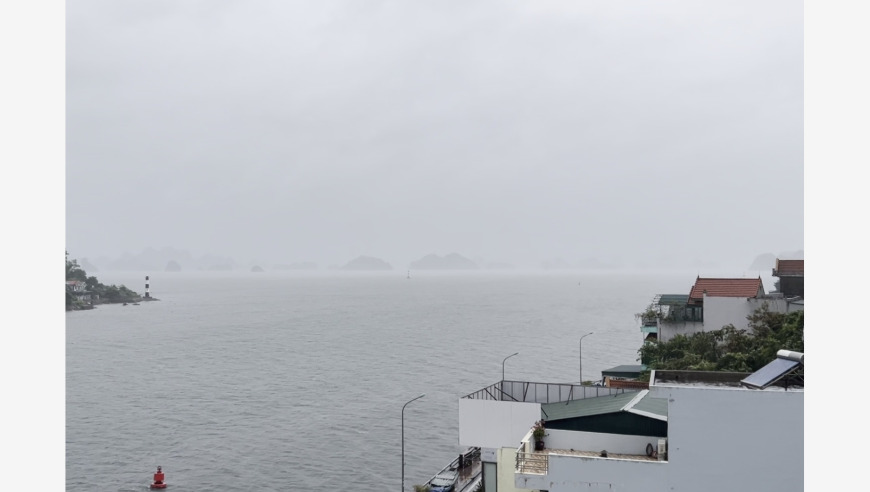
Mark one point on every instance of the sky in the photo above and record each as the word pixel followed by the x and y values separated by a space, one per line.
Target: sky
pixel 644 133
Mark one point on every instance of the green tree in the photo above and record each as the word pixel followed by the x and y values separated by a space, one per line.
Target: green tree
pixel 730 349
pixel 73 270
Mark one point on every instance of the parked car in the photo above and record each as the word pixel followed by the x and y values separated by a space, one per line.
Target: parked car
pixel 444 481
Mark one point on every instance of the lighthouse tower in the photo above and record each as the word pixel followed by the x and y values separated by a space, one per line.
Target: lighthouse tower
pixel 147 287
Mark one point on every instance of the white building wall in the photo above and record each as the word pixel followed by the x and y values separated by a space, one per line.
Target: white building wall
pixel 722 311
pixel 507 459
pixel 719 440
pixel 495 424
pixel 734 439
pixel 582 474
pixel 597 441
pixel 668 331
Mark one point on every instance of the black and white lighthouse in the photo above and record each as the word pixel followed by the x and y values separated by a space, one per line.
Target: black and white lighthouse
pixel 147 288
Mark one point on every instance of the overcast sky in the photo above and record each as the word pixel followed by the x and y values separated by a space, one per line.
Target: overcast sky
pixel 632 132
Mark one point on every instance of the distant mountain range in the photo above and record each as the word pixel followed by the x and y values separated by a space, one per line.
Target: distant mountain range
pixel 169 259
pixel 453 261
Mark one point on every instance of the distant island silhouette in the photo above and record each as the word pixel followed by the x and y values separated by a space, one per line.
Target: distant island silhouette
pixel 453 261
pixel 367 263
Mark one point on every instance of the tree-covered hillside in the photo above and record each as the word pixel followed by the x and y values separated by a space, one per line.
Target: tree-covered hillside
pixel 94 291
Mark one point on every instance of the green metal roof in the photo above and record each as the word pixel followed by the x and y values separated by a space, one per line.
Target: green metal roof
pixel 656 408
pixel 652 407
pixel 625 371
pixel 673 299
pixel 588 406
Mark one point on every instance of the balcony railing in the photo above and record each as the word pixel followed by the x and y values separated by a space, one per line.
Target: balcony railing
pixel 692 314
pixel 532 463
pixel 524 391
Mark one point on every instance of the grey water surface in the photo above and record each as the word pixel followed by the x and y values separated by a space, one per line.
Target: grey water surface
pixel 283 381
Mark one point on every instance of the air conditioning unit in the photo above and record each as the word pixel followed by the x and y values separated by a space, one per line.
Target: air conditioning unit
pixel 663 450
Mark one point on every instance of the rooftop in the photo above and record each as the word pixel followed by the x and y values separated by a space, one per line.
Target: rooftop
pixel 726 287
pixel 671 299
pixel 537 462
pixel 788 268
pixel 625 371
pixel 634 402
pixel 719 380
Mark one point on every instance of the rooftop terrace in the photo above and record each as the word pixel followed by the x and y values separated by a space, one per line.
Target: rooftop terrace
pixel 720 380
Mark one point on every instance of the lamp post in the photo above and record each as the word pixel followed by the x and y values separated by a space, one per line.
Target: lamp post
pixel 403 438
pixel 581 356
pixel 502 371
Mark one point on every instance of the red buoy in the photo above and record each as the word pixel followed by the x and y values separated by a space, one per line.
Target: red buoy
pixel 159 482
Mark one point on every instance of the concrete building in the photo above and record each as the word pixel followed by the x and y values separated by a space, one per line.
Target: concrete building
pixel 790 277
pixel 690 431
pixel 711 304
pixel 496 419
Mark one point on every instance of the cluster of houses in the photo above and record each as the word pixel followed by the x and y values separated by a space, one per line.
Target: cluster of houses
pixel 682 430
pixel 79 291
pixel 715 302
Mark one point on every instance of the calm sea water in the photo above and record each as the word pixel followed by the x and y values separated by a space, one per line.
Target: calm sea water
pixel 275 381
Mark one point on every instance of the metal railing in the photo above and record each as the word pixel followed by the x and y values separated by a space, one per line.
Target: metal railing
pixel 466 466
pixel 685 315
pixel 532 463
pixel 524 391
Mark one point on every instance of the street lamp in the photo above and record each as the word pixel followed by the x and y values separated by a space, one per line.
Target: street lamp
pixel 502 371
pixel 403 438
pixel 581 356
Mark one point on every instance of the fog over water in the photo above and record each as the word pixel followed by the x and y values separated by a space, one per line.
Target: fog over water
pixel 627 134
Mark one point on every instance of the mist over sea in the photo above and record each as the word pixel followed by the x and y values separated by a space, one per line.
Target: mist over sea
pixel 289 381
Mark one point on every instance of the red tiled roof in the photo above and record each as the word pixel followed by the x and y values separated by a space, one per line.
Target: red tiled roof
pixel 725 287
pixel 789 268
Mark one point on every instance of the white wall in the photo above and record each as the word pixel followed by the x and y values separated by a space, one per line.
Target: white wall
pixel 735 439
pixel 582 474
pixel 667 331
pixel 597 441
pixel 507 459
pixel 721 311
pixel 495 424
